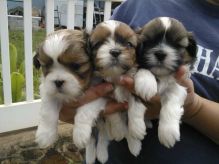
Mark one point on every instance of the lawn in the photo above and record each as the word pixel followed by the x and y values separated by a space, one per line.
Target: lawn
pixel 16 37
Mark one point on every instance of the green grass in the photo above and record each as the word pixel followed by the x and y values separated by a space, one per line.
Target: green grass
pixel 17 38
pixel 38 37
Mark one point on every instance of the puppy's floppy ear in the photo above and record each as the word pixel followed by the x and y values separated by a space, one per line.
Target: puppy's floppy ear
pixel 192 47
pixel 88 48
pixel 36 61
pixel 138 31
pixel 189 56
pixel 139 53
pixel 140 46
pixel 86 38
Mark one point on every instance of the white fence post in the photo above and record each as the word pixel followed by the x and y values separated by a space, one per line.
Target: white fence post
pixel 49 16
pixel 107 10
pixel 19 115
pixel 89 15
pixel 71 14
pixel 5 52
pixel 12 114
pixel 28 49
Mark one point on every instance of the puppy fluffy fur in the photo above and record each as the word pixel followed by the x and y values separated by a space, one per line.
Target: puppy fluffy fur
pixel 165 45
pixel 113 49
pixel 162 46
pixel 66 74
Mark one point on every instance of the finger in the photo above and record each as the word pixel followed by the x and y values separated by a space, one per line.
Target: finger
pixel 95 92
pixel 184 80
pixel 187 83
pixel 67 115
pixel 153 108
pixel 153 111
pixel 101 89
pixel 113 107
pixel 127 82
pixel 155 98
pixel 180 72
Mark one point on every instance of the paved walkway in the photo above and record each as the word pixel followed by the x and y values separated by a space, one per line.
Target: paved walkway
pixel 19 148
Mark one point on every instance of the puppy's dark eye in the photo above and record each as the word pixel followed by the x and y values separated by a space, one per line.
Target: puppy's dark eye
pixel 129 45
pixel 149 43
pixel 74 66
pixel 46 65
pixel 96 45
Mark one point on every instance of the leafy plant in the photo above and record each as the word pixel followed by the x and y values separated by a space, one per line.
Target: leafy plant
pixel 13 57
pixel 21 68
pixel 17 85
pixel 17 78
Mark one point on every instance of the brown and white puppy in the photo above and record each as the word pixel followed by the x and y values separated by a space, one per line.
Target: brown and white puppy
pixel 165 45
pixel 66 74
pixel 113 49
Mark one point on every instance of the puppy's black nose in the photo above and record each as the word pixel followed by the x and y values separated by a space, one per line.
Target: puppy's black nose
pixel 59 83
pixel 160 55
pixel 115 52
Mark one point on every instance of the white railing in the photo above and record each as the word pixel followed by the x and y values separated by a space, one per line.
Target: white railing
pixel 14 116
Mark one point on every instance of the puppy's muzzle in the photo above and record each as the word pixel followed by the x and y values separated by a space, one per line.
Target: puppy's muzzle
pixel 160 55
pixel 59 83
pixel 115 52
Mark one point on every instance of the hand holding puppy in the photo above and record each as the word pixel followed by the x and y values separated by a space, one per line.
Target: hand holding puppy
pixel 67 112
pixel 154 104
pixel 104 89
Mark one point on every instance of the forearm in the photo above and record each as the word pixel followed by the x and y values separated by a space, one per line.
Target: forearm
pixel 205 118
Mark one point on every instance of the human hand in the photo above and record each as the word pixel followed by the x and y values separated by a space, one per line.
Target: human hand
pixel 69 109
pixel 154 104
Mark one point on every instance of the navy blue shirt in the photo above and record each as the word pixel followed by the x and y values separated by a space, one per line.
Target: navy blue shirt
pixel 199 17
pixel 202 19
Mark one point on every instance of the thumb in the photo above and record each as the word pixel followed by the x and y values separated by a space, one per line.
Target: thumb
pixel 180 73
pixel 127 82
pixel 95 92
pixel 112 107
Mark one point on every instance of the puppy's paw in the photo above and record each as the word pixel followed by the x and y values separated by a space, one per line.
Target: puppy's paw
pixel 81 135
pixel 137 128
pixel 134 145
pixel 102 154
pixel 145 84
pixel 90 154
pixel 45 137
pixel 102 143
pixel 168 134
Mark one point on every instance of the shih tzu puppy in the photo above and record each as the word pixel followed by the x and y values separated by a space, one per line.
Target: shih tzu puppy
pixel 113 49
pixel 165 45
pixel 66 73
